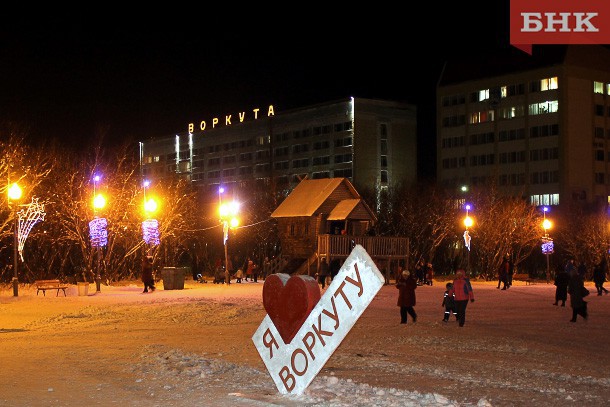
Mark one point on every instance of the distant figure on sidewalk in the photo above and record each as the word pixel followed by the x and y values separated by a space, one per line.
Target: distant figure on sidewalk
pixel 503 274
pixel 462 289
pixel 323 274
pixel 406 285
pixel 239 274
pixel 147 274
pixel 561 287
pixel 334 267
pixel 449 303
pixel 511 271
pixel 599 278
pixel 582 270
pixel 429 274
pixel 576 289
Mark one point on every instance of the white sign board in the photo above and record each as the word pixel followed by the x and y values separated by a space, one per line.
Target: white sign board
pixel 294 365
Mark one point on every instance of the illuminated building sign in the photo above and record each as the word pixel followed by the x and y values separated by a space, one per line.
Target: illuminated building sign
pixel 98 232
pixel 228 119
pixel 150 231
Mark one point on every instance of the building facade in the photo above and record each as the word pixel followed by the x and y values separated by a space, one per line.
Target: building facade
pixel 370 142
pixel 538 126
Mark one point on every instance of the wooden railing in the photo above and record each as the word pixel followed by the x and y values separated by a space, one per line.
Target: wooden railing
pixel 275 265
pixel 340 247
pixel 378 247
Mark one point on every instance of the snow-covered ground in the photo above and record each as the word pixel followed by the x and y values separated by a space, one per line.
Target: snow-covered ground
pixel 193 347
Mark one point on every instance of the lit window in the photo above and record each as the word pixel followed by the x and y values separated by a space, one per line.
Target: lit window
pixel 550 106
pixel 598 87
pixel 548 83
pixel 483 94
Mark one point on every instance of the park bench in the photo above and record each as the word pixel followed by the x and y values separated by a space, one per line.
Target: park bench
pixel 523 277
pixel 44 285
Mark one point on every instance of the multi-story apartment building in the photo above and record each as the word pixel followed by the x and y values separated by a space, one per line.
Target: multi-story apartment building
pixel 538 126
pixel 370 142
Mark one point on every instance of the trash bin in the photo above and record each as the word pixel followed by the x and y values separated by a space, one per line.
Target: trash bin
pixel 83 289
pixel 173 278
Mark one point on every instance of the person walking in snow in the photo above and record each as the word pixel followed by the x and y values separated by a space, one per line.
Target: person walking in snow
pixel 449 303
pixel 576 289
pixel 462 289
pixel 503 274
pixel 599 278
pixel 147 274
pixel 561 287
pixel 406 285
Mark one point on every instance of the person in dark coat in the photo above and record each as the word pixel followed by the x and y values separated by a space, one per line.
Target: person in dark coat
pixel 406 285
pixel 449 304
pixel 582 270
pixel 576 288
pixel 334 268
pixel 503 274
pixel 147 274
pixel 323 274
pixel 599 278
pixel 511 271
pixel 561 287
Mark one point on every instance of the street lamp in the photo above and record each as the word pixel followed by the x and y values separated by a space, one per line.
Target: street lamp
pixel 228 217
pixel 468 222
pixel 99 201
pixel 14 194
pixel 150 226
pixel 547 242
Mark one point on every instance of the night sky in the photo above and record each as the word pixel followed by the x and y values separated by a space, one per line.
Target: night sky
pixel 70 78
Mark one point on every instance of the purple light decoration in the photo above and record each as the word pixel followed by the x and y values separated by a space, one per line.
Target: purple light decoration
pixel 545 208
pixel 221 190
pixel 548 247
pixel 146 183
pixel 150 232
pixel 97 178
pixel 468 207
pixel 98 234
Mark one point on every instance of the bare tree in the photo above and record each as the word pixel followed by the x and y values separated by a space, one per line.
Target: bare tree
pixel 503 226
pixel 583 233
pixel 27 166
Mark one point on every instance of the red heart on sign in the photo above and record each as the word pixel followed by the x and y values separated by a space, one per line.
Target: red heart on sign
pixel 288 301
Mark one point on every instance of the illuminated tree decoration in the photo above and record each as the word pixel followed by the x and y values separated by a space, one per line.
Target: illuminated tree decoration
pixel 547 246
pixel 33 214
pixel 467 239
pixel 150 232
pixel 98 232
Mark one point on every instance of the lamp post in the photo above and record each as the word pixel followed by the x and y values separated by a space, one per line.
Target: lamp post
pixel 547 243
pixel 468 223
pixel 14 194
pixel 228 217
pixel 150 226
pixel 99 201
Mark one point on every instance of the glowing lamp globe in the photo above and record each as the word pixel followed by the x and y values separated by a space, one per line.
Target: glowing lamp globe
pixel 547 224
pixel 234 223
pixel 229 209
pixel 468 221
pixel 14 192
pixel 150 205
pixel 99 201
